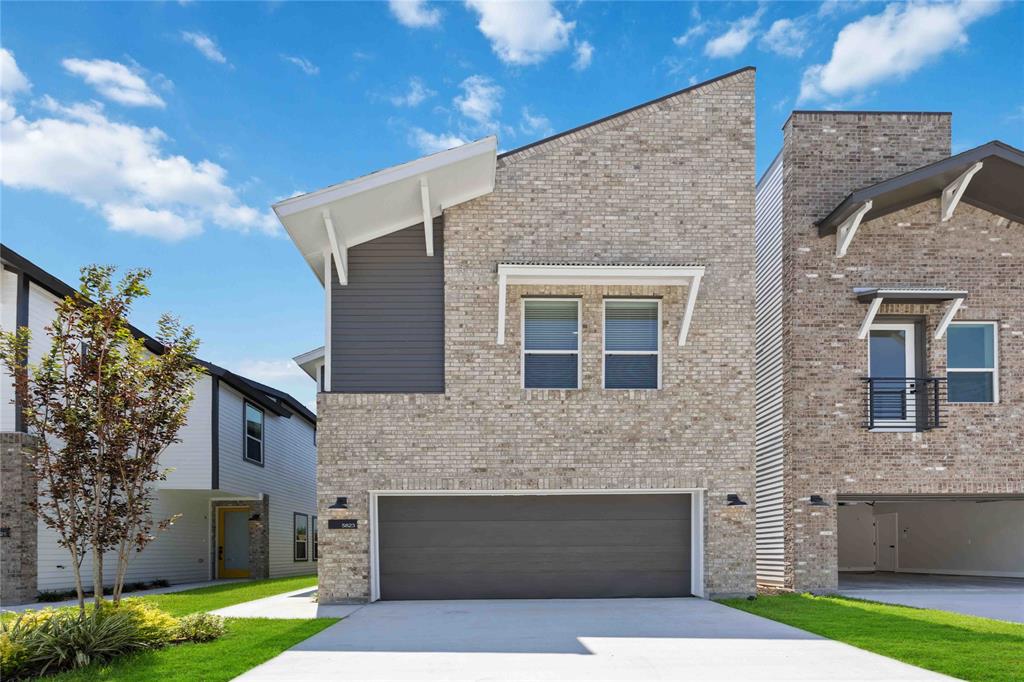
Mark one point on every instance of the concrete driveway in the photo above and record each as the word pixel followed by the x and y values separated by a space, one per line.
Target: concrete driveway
pixel 592 640
pixel 999 598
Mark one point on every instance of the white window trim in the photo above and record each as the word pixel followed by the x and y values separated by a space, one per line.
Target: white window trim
pixel 245 433
pixel 579 343
pixel 994 369
pixel 605 352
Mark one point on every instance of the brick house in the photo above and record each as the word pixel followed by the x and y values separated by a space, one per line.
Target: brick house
pixel 890 352
pixel 538 372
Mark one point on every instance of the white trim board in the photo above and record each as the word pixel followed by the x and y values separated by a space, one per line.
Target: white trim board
pixel 697 496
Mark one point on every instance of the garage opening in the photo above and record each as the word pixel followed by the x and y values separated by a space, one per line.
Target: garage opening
pixel 941 535
pixel 534 546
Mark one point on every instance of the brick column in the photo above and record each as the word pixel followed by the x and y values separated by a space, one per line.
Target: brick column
pixel 18 540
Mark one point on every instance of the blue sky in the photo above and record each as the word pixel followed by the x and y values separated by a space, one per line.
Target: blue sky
pixel 158 134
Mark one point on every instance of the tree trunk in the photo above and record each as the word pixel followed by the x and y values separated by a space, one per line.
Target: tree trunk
pixel 79 588
pixel 97 576
pixel 122 570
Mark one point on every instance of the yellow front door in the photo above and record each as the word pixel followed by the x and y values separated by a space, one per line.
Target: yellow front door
pixel 232 542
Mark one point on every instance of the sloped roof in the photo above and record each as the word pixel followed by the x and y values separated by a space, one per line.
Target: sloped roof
pixel 995 188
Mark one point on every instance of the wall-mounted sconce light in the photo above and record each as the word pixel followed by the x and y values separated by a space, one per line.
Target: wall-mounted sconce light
pixel 733 500
pixel 340 503
pixel 255 517
pixel 818 501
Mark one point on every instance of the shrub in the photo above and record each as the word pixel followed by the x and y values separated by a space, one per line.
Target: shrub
pixel 200 627
pixel 48 641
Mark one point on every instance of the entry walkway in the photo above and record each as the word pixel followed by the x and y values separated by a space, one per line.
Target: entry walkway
pixel 585 640
pixel 295 604
pixel 999 598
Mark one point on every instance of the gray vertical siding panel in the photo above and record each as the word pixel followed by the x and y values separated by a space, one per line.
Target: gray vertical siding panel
pixel 768 231
pixel 387 323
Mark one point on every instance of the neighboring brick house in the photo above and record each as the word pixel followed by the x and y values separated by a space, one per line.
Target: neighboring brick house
pixel 888 440
pixel 614 454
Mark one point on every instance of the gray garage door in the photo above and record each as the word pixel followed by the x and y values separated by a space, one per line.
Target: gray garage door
pixel 534 546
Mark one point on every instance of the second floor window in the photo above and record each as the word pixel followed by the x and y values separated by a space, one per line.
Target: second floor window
pixel 551 343
pixel 632 343
pixel 972 362
pixel 253 434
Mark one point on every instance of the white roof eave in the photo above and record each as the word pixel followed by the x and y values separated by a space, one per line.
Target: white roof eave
pixel 389 200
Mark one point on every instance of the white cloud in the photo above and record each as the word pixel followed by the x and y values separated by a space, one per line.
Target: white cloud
pixel 584 55
pixel 12 80
pixel 891 45
pixel 121 171
pixel 206 46
pixel 480 101
pixel 786 37
pixel 428 142
pixel 695 31
pixel 414 96
pixel 308 67
pixel 522 32
pixel 736 39
pixel 535 124
pixel 415 13
pixel 115 81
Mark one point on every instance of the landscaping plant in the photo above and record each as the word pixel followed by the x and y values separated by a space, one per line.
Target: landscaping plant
pixel 200 627
pixel 104 407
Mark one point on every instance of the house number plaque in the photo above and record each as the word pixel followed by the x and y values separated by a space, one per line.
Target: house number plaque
pixel 345 524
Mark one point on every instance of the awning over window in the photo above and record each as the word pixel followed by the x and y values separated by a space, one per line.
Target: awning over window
pixel 329 221
pixel 619 274
pixel 874 296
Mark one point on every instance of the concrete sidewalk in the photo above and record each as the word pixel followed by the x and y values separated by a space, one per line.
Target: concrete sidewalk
pixel 585 639
pixel 179 587
pixel 294 604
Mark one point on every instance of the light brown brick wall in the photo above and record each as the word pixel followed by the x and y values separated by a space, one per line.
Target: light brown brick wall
pixel 670 182
pixel 18 539
pixel 828 449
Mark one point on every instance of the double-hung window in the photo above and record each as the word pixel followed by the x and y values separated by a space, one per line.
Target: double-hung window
pixel 551 343
pixel 972 362
pixel 253 434
pixel 300 537
pixel 632 343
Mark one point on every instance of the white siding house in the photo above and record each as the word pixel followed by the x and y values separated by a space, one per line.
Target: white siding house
pixel 206 469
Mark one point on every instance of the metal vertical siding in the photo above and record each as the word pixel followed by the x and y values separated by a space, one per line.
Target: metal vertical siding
pixel 769 446
pixel 387 323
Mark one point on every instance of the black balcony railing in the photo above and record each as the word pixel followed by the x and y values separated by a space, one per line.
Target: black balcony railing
pixel 905 403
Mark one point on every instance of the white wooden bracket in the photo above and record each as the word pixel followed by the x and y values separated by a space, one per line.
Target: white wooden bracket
pixel 865 326
pixel 955 191
pixel 502 286
pixel 691 303
pixel 428 218
pixel 844 235
pixel 954 306
pixel 338 248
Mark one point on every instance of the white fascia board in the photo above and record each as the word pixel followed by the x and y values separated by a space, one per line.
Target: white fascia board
pixel 287 207
pixel 600 275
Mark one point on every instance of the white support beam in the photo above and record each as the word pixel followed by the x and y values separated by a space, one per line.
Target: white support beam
pixel 428 217
pixel 326 385
pixel 865 326
pixel 954 306
pixel 844 235
pixel 691 303
pixel 502 286
pixel 955 191
pixel 338 249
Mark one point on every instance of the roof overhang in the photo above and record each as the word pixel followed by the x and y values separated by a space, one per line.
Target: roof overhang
pixel 330 221
pixel 584 274
pixel 311 361
pixel 988 177
pixel 874 297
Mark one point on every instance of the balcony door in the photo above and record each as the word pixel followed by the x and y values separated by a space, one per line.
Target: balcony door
pixel 892 368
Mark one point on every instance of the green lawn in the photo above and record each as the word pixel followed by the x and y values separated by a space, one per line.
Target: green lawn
pixel 967 647
pixel 225 594
pixel 247 643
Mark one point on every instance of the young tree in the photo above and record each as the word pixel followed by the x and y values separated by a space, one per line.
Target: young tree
pixel 104 409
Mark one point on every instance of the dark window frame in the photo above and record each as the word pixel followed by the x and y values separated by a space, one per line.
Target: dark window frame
pixel 295 537
pixel 315 554
pixel 246 404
